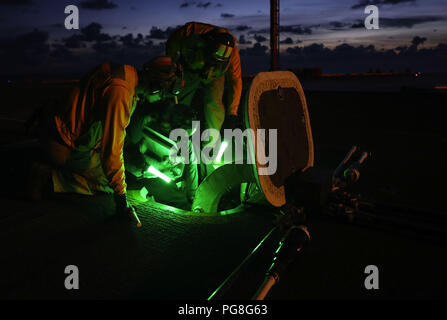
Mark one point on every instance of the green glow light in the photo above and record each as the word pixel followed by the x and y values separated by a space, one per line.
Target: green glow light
pixel 241 264
pixel 159 174
pixel 143 192
pixel 222 149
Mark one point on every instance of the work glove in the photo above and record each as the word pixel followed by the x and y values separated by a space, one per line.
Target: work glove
pixel 123 207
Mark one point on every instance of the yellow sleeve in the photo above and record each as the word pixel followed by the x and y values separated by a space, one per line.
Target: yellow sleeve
pixel 116 119
pixel 234 81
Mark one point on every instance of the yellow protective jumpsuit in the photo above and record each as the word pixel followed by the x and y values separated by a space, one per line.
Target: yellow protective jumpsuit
pixel 214 110
pixel 85 137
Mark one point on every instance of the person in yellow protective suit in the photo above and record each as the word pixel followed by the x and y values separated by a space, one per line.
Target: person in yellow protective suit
pixel 83 138
pixel 210 59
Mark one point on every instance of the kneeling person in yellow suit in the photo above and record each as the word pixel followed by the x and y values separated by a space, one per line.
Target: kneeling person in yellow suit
pixel 83 139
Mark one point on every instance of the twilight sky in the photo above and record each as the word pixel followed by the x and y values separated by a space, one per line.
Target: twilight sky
pixel 326 33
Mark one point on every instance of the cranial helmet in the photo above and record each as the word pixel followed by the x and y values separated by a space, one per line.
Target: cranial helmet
pixel 162 75
pixel 220 44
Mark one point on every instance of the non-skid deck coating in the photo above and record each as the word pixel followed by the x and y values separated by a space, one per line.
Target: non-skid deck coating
pixel 173 256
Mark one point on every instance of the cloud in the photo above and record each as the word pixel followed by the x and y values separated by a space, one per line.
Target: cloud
pixel 256 50
pixel 336 25
pixel 418 40
pixel 348 58
pixel 358 24
pixel 408 22
pixel 298 29
pixel 260 38
pixel 203 4
pixel 91 32
pixel 242 40
pixel 227 15
pixel 16 2
pixel 294 29
pixel 32 53
pixel 287 40
pixel 200 4
pixel 364 3
pixel 130 42
pixel 97 4
pixel 156 33
pixel 242 28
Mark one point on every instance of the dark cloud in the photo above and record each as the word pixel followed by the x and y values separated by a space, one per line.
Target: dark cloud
pixel 294 29
pixel 336 25
pixel 364 3
pixel 260 38
pixel 242 28
pixel 227 15
pixel 74 42
pixel 242 40
pixel 347 58
pixel 91 32
pixel 130 42
pixel 287 40
pixel 16 2
pixel 203 4
pixel 32 53
pixel 156 33
pixel 408 22
pixel 358 24
pixel 402 22
pixel 97 4
pixel 91 46
pixel 418 40
pixel 256 50
pixel 200 4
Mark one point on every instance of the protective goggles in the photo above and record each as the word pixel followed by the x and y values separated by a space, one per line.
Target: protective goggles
pixel 222 52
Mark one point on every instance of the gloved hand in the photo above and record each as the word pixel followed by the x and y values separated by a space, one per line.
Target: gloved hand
pixel 122 206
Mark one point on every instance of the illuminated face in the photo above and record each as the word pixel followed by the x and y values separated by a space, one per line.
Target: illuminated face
pixel 153 97
pixel 148 95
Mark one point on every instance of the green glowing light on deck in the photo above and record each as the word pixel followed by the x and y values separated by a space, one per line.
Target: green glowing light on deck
pixel 159 174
